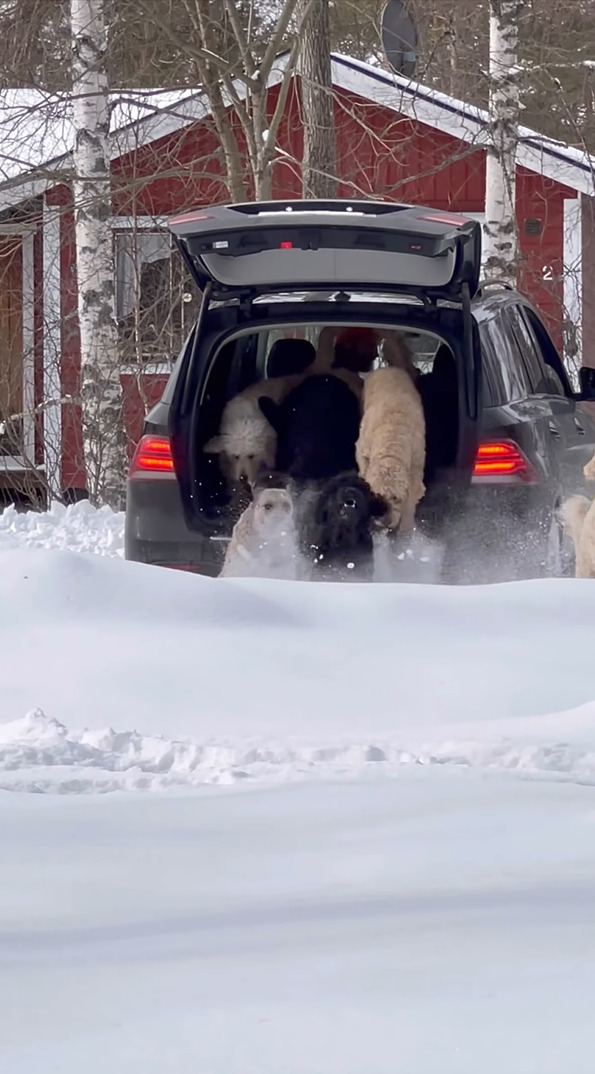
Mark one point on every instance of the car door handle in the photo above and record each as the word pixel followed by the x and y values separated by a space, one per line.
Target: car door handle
pixel 579 428
pixel 553 428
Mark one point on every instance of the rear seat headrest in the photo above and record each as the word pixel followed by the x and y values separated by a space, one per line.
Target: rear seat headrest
pixel 444 364
pixel 290 356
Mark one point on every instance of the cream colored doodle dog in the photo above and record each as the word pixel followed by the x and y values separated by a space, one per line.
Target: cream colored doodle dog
pixel 391 447
pixel 578 514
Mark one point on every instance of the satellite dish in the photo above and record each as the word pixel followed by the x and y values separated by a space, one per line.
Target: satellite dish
pixel 399 38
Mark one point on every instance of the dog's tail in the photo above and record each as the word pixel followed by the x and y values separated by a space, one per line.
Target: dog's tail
pixel 573 513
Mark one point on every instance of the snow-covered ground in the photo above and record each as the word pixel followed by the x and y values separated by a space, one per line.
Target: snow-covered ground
pixel 442 921
pixel 371 839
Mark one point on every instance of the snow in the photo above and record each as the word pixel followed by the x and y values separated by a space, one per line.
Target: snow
pixel 80 528
pixel 439 921
pixel 139 677
pixel 148 678
pixel 251 826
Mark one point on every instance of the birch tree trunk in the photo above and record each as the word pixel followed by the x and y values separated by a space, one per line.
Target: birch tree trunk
pixel 100 387
pixel 500 228
pixel 318 162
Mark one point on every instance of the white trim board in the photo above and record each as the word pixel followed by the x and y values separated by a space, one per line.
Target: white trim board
pixel 52 345
pixel 573 276
pixel 28 345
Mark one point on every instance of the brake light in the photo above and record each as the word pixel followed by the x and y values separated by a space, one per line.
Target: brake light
pixel 502 460
pixel 188 218
pixel 152 458
pixel 285 245
pixel 445 218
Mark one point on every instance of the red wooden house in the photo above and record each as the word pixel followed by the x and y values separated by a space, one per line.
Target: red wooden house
pixel 395 139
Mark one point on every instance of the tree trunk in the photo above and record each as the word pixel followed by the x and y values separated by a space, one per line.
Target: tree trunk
pixel 100 387
pixel 318 164
pixel 500 228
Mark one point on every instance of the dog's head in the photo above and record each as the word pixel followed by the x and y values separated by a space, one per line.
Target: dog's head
pixel 272 511
pixel 347 500
pixel 245 450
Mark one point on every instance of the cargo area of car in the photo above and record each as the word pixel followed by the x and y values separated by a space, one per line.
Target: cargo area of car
pixel 276 278
pixel 279 350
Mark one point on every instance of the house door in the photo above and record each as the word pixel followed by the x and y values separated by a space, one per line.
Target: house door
pixel 11 346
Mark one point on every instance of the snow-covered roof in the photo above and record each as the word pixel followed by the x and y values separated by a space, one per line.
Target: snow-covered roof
pixel 36 130
pixel 546 156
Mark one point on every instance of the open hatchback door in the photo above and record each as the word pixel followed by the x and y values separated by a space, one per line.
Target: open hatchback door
pixel 254 248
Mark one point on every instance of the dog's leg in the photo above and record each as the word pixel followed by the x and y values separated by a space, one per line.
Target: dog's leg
pixel 589 470
pixel 579 569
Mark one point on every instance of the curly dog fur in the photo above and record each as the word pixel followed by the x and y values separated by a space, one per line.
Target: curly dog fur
pixel 578 516
pixel 335 528
pixel 264 539
pixel 246 440
pixel 317 426
pixel 391 448
pixel 589 470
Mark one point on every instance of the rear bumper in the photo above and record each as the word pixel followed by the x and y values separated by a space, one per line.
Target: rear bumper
pixel 156 532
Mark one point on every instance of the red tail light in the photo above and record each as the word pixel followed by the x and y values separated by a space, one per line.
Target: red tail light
pixel 152 458
pixel 502 460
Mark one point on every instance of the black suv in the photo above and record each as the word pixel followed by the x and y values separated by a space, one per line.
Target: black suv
pixel 507 437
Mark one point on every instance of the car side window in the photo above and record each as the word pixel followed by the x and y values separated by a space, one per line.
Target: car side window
pixel 509 379
pixel 556 377
pixel 534 364
pixel 489 383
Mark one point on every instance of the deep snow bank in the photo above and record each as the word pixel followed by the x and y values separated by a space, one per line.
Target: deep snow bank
pixel 186 679
pixel 80 528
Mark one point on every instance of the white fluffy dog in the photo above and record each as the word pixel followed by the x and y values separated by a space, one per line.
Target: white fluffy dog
pixel 391 448
pixel 578 515
pixel 246 441
pixel 264 539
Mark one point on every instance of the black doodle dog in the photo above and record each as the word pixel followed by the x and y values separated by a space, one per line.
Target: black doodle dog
pixel 317 425
pixel 336 527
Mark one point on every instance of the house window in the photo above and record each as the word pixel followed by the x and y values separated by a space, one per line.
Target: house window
pixel 156 301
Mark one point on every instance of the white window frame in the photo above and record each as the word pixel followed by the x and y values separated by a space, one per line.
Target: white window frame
pixel 143 223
